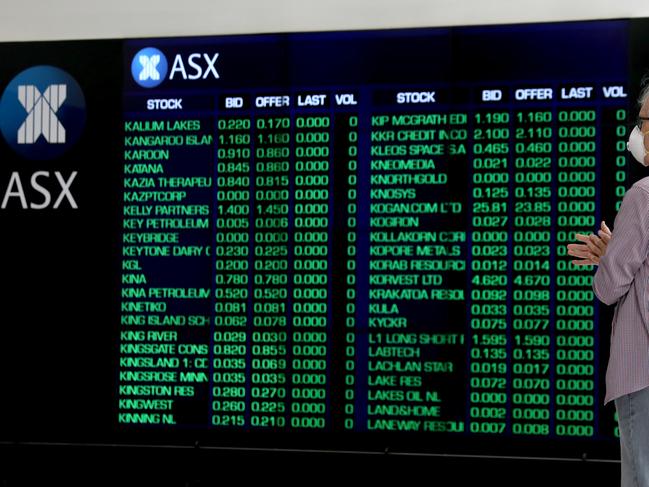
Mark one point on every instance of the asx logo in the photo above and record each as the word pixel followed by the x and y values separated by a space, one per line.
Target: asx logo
pixel 149 67
pixel 42 112
pixel 42 115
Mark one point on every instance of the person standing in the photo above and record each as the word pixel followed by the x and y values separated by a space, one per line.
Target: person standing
pixel 622 278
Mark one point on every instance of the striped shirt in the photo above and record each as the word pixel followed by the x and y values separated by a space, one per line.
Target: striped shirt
pixel 623 278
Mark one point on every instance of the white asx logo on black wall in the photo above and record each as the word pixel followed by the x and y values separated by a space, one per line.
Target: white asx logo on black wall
pixel 42 115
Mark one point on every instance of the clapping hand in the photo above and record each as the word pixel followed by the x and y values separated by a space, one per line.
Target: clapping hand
pixel 593 247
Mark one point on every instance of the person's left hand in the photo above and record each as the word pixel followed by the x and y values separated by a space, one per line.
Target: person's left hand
pixel 593 247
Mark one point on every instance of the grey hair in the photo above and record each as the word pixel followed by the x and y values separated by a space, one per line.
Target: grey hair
pixel 644 90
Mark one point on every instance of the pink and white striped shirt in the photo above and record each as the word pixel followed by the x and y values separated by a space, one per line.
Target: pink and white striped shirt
pixel 623 278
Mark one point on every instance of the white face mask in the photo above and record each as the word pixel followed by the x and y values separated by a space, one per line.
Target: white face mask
pixel 636 147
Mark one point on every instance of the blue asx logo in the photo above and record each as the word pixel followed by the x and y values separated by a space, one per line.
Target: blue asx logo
pixel 42 112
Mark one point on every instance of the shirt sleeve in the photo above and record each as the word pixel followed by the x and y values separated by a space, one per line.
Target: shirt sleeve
pixel 627 249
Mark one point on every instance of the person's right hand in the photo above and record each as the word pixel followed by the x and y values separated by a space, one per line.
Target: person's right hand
pixel 593 247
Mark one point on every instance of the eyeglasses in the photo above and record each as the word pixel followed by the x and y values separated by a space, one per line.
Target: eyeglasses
pixel 639 121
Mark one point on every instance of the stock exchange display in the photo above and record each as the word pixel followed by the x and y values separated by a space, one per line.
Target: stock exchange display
pixel 363 235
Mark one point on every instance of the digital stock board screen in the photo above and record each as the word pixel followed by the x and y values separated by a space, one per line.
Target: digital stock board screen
pixel 341 240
